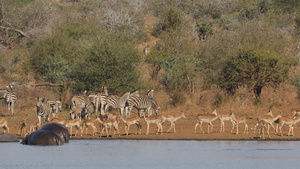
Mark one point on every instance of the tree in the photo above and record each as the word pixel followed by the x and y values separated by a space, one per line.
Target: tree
pixel 254 69
pixel 110 60
pixel 204 30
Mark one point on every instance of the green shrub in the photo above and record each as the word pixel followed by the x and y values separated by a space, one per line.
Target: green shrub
pixel 255 69
pixel 172 20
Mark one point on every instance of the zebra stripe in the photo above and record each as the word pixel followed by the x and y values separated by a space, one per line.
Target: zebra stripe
pixel 94 99
pixel 116 102
pixel 42 109
pixel 55 107
pixel 142 103
pixel 10 99
pixel 102 99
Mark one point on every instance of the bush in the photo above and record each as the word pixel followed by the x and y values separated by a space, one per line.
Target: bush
pixel 171 21
pixel 109 61
pixel 254 69
pixel 91 57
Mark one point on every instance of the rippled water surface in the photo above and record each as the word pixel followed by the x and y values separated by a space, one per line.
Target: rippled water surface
pixel 154 154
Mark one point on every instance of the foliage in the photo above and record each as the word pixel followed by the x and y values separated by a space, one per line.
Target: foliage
pixel 172 20
pixel 108 61
pixel 253 68
pixel 90 57
pixel 296 82
pixel 181 73
pixel 297 26
pixel 287 5
pixel 204 30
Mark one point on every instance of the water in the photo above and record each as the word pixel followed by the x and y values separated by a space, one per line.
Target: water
pixel 154 154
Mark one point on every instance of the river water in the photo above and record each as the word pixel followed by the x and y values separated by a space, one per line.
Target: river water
pixel 154 154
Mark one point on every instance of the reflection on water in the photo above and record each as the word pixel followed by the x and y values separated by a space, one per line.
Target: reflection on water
pixel 153 154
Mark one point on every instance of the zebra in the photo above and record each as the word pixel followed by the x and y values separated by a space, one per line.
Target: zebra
pixel 116 102
pixel 102 98
pixel 80 100
pixel 10 98
pixel 142 103
pixel 88 111
pixel 94 99
pixel 42 109
pixel 55 106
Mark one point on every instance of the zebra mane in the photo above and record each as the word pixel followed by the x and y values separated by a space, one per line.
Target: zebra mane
pixel 125 95
pixel 150 93
pixel 136 93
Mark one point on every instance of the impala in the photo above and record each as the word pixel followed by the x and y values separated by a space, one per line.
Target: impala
pixel 108 123
pixel 131 121
pixel 295 112
pixel 153 120
pixel 288 121
pixel 74 123
pixel 237 121
pixel 35 125
pixel 206 119
pixel 111 115
pixel 56 120
pixel 172 119
pixel 269 119
pixel 260 126
pixel 86 124
pixel 22 127
pixel 3 124
pixel 223 118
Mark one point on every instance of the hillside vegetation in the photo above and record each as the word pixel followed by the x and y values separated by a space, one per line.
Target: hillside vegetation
pixel 233 55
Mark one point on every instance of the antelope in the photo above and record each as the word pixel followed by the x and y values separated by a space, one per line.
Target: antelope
pixel 206 119
pixel 3 124
pixel 56 120
pixel 172 119
pixel 107 123
pixel 111 115
pixel 288 121
pixel 22 127
pixel 86 124
pixel 237 121
pixel 76 124
pixel 131 121
pixel 261 125
pixel 153 120
pixel 269 119
pixel 295 112
pixel 222 118
pixel 35 125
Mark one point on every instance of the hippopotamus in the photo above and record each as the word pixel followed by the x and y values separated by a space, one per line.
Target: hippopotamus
pixel 7 137
pixel 43 137
pixel 60 129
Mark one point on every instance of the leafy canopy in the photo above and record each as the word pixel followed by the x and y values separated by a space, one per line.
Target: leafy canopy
pixel 253 68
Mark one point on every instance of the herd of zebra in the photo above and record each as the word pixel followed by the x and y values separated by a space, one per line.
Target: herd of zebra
pixel 84 106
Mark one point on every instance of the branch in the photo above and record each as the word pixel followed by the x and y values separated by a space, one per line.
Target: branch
pixel 17 30
pixel 47 84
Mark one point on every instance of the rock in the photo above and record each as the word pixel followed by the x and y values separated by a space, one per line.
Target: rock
pixel 7 137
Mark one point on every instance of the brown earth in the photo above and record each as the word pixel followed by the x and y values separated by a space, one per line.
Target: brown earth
pixel 184 128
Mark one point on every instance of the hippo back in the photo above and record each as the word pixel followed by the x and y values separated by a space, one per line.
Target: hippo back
pixel 60 129
pixel 43 137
